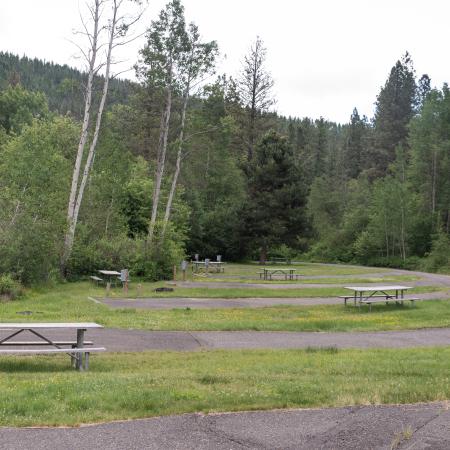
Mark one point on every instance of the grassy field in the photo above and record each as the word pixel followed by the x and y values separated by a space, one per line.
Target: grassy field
pixel 305 269
pixel 70 303
pixel 280 280
pixel 45 391
pixel 148 290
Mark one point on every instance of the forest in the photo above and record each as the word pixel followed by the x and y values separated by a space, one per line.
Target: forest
pixel 189 161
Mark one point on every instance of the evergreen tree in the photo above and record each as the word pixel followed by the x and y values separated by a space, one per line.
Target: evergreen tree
pixel 255 85
pixel 354 145
pixel 395 107
pixel 275 210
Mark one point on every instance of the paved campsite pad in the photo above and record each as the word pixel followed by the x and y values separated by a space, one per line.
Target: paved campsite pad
pixel 120 340
pixel 420 426
pixel 255 302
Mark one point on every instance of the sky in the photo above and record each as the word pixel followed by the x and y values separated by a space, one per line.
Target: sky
pixel 325 56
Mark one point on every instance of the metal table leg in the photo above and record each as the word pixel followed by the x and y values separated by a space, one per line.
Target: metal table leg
pixel 80 344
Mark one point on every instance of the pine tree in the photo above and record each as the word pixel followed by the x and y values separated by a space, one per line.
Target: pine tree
pixel 395 108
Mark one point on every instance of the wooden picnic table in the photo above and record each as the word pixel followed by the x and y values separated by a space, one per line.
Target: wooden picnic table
pixel 375 294
pixel 77 351
pixel 267 272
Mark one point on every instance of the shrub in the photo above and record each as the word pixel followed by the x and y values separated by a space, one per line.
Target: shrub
pixel 439 257
pixel 9 288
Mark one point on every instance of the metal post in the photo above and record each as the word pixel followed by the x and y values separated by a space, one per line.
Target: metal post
pixel 80 344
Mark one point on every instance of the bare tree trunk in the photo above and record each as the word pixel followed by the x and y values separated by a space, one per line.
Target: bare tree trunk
pixel 71 223
pixel 402 234
pixel 433 182
pixel 386 234
pixel 162 149
pixel 177 166
pixel 75 208
pixel 108 215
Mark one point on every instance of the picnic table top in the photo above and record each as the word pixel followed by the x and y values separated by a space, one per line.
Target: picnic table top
pixel 109 272
pixel 279 269
pixel 28 325
pixel 377 288
pixel 210 262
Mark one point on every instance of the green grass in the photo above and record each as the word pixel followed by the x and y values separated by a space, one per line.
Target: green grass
pixel 45 391
pixel 70 302
pixel 147 290
pixel 306 269
pixel 213 278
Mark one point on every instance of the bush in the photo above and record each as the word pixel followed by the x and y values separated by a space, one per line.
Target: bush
pixel 124 252
pixel 438 260
pixel 9 288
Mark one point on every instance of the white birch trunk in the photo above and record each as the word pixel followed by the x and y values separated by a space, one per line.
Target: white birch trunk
pixel 71 224
pixel 177 166
pixel 162 149
pixel 76 203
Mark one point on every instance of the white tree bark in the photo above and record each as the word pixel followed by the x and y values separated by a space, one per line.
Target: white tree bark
pixel 161 160
pixel 77 189
pixel 177 165
pixel 71 224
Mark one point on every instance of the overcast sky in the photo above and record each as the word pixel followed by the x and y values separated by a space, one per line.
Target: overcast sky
pixel 326 56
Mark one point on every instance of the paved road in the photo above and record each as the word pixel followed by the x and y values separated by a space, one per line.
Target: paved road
pixel 120 340
pixel 254 302
pixel 425 280
pixel 421 426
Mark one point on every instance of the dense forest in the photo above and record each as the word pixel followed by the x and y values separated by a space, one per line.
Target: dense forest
pixel 186 166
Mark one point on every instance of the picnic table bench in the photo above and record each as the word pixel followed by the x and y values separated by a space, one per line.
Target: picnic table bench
pixel 276 260
pixel 77 351
pixel 368 295
pixel 96 280
pixel 213 266
pixel 267 272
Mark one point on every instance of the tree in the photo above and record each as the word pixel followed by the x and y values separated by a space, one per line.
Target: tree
pixel 255 85
pixel 395 107
pixel 18 107
pixel 197 60
pixel 355 145
pixel 116 29
pixel 430 165
pixel 275 211
pixel 34 180
pixel 161 64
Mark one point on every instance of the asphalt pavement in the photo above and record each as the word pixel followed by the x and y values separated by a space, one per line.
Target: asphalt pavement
pixel 418 427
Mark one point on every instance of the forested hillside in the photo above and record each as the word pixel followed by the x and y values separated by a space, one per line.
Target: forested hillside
pixel 238 179
pixel 62 85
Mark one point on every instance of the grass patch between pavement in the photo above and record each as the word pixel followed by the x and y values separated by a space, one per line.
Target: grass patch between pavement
pixel 45 391
pixel 69 303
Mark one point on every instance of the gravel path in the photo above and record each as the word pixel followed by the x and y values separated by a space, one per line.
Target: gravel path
pixel 420 426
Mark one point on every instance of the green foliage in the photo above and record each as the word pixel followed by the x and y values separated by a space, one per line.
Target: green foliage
pixel 395 107
pixel 9 287
pixel 34 182
pixel 274 213
pixel 18 107
pixel 439 257
pixel 62 85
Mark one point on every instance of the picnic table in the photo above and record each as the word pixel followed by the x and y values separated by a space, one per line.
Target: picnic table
pixel 213 266
pixel 267 273
pixel 76 348
pixel 111 275
pixel 377 294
